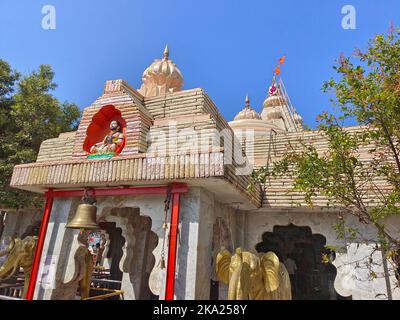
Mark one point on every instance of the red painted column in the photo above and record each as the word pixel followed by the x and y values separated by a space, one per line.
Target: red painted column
pixel 172 247
pixel 39 245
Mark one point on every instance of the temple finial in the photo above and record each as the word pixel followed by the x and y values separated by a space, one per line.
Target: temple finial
pixel 247 101
pixel 166 52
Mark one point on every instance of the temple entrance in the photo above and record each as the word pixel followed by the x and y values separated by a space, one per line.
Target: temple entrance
pixel 106 249
pixel 128 257
pixel 107 266
pixel 301 251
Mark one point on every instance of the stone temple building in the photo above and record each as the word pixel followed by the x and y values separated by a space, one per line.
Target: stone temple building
pixel 176 140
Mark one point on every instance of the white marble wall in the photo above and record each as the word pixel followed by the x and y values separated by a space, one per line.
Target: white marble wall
pixel 62 243
pixel 193 269
pixel 17 222
pixel 59 246
pixel 196 250
pixel 194 247
pixel 231 237
pixel 350 280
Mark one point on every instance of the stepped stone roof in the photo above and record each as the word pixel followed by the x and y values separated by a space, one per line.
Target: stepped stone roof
pixel 146 158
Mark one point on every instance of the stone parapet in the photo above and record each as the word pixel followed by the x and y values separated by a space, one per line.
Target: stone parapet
pixel 130 170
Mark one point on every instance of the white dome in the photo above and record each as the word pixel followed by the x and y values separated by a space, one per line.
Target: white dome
pixel 248 112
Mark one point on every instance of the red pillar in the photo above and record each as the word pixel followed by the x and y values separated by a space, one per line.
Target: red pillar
pixel 39 245
pixel 172 247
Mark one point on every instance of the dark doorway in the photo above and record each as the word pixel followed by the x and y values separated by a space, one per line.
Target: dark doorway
pixel 111 278
pixel 301 251
pixel 115 251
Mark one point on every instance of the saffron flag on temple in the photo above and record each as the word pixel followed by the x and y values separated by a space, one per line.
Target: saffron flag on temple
pixel 278 70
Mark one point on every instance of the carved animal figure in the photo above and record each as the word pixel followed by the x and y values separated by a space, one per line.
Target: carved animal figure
pixel 83 267
pixel 253 277
pixel 20 254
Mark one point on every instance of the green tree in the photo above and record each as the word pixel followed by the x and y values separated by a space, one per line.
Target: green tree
pixel 8 78
pixel 367 90
pixel 29 114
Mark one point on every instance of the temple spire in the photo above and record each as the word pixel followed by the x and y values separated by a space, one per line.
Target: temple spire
pixel 247 101
pixel 166 52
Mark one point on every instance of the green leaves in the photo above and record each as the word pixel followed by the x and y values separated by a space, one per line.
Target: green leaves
pixel 29 114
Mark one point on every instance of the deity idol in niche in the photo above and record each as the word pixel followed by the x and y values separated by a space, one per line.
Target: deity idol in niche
pixel 112 142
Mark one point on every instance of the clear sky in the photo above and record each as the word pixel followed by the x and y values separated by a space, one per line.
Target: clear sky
pixel 227 47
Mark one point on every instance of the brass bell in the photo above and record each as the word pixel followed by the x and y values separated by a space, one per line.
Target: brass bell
pixel 162 263
pixel 85 218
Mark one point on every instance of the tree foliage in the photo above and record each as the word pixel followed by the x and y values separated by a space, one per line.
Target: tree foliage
pixel 29 114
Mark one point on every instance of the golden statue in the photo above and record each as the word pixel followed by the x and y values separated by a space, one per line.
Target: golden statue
pixel 83 266
pixel 20 254
pixel 87 276
pixel 253 277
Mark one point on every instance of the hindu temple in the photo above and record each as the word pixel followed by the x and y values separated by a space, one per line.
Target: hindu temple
pixel 162 178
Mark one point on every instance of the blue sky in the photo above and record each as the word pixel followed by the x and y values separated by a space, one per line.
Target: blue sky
pixel 227 47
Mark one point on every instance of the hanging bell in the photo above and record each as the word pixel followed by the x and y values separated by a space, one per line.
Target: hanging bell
pixel 162 263
pixel 85 218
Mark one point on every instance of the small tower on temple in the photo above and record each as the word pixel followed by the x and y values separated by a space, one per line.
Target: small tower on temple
pixel 248 120
pixel 278 110
pixel 161 77
pixel 248 113
pixel 277 107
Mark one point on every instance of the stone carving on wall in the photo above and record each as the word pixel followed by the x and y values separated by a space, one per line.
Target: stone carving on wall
pixel 138 260
pixel 222 238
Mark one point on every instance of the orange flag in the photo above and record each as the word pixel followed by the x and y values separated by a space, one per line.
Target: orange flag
pixel 278 70
pixel 282 59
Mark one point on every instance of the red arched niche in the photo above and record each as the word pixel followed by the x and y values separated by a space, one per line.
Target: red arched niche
pixel 100 126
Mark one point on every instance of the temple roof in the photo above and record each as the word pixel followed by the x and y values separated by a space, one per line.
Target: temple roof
pixel 152 155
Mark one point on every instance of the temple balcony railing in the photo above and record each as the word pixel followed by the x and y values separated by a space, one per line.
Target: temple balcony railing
pixel 11 291
pixel 139 169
